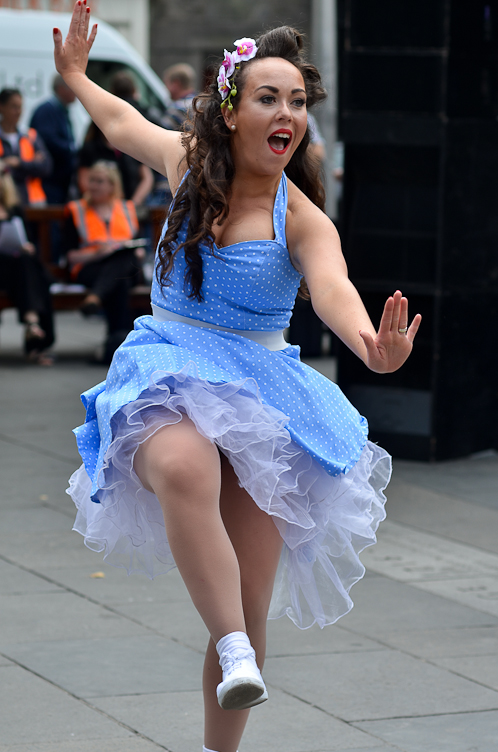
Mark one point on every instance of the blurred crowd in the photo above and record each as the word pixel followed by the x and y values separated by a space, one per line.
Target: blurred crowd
pixel 97 245
pixel 100 189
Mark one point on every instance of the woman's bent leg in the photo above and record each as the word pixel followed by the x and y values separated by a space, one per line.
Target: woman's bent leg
pixel 257 544
pixel 183 469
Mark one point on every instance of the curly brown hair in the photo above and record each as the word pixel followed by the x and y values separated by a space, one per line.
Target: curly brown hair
pixel 204 194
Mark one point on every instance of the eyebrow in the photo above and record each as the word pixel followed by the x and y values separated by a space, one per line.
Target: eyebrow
pixel 275 90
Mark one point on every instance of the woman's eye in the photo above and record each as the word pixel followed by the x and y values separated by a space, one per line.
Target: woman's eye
pixel 299 103
pixel 267 99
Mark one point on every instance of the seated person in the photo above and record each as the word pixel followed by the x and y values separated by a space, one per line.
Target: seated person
pixel 22 275
pixel 96 230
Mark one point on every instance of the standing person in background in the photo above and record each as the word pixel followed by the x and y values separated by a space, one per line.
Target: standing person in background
pixel 317 141
pixel 24 154
pixel 51 120
pixel 136 178
pixel 305 328
pixel 123 86
pixel 180 80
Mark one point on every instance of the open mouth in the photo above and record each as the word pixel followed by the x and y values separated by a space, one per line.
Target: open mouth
pixel 280 141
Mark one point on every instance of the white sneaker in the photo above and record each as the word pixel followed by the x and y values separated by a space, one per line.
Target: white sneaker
pixel 242 686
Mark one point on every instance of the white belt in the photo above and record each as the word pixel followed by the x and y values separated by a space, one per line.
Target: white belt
pixel 270 340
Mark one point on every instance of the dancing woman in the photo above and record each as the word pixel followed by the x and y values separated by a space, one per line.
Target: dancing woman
pixel 211 446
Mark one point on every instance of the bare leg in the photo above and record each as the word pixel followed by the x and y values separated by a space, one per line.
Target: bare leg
pixel 257 544
pixel 183 469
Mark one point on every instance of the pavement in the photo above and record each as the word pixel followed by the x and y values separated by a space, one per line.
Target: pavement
pixel 94 661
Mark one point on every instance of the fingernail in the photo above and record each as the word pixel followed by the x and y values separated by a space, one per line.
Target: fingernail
pixel 56 30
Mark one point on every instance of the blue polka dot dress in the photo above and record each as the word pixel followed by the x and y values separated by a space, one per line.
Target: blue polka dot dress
pixel 297 445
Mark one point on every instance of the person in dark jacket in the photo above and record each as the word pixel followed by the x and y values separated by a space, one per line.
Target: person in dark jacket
pixel 51 120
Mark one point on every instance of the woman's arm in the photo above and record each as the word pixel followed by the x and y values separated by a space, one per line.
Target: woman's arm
pixel 121 123
pixel 316 251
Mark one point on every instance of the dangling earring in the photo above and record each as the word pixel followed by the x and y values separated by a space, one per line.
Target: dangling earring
pixel 233 127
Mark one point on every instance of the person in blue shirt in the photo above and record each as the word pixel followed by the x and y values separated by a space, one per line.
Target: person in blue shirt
pixel 51 120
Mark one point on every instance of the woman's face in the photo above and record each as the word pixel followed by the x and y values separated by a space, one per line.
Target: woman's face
pixel 100 187
pixel 10 112
pixel 271 117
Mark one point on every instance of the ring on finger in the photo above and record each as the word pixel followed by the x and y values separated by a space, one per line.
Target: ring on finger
pixel 403 330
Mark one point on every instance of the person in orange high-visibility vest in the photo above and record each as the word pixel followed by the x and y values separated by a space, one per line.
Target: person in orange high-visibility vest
pixel 97 230
pixel 24 154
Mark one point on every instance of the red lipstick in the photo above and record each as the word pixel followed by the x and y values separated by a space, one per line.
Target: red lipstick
pixel 279 141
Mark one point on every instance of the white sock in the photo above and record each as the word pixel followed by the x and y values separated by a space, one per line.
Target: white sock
pixel 205 749
pixel 231 642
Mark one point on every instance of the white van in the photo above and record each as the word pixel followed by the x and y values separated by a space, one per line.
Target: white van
pixel 27 62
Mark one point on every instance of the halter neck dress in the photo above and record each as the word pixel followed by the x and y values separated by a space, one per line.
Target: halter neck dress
pixel 297 445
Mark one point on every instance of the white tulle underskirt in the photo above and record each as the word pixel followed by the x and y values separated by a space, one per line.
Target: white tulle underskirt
pixel 325 521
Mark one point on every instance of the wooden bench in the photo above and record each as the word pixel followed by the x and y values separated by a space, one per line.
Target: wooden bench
pixel 67 296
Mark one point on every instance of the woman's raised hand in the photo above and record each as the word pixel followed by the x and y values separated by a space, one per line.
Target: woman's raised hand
pixel 72 55
pixel 394 340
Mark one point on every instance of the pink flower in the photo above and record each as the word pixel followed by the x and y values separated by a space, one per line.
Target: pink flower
pixel 246 48
pixel 229 63
pixel 223 83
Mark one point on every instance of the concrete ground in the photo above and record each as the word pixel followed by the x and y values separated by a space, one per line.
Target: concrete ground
pixel 112 664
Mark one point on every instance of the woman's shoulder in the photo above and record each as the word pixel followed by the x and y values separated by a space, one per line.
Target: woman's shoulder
pixel 305 220
pixel 299 206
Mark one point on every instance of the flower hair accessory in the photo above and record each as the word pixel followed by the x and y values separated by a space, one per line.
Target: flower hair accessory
pixel 245 49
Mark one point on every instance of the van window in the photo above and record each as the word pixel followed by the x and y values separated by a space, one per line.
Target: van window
pixel 102 71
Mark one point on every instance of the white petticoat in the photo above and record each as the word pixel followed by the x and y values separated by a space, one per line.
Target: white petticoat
pixel 324 521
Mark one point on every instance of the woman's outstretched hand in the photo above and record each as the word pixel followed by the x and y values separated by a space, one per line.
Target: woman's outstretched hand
pixel 72 55
pixel 394 341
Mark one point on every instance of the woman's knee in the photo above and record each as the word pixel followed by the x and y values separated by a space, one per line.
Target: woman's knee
pixel 177 461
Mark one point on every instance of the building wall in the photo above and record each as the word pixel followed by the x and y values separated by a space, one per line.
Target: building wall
pixel 193 31
pixel 130 17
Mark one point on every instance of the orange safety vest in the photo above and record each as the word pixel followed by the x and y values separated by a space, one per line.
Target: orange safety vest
pixel 92 229
pixel 36 194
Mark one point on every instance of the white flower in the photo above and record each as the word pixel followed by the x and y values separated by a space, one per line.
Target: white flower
pixel 246 48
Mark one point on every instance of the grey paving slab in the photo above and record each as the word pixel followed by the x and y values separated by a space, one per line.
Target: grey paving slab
pixel 130 744
pixel 178 621
pixel 28 475
pixel 446 643
pixel 381 748
pixel 116 587
pixel 50 549
pixel 34 711
pixel 34 519
pixel 16 581
pixel 376 684
pixel 55 616
pixel 284 638
pixel 472 479
pixel 173 719
pixel 468 732
pixel 283 724
pixel 411 555
pixel 112 666
pixel 382 605
pixel 480 668
pixel 441 513
pixel 480 593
